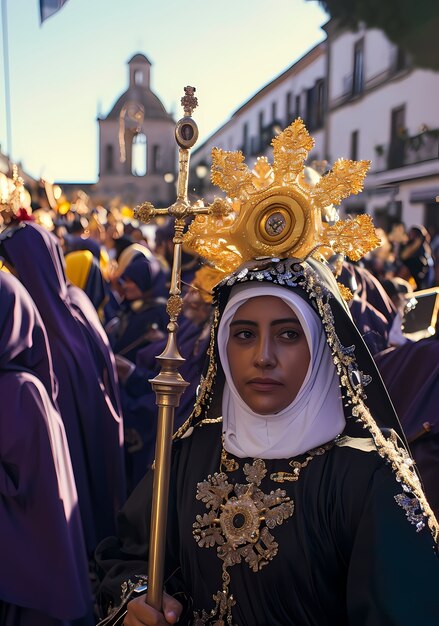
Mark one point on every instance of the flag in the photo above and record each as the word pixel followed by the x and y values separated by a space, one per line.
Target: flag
pixel 49 7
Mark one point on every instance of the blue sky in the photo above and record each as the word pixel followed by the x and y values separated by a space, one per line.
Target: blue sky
pixel 65 71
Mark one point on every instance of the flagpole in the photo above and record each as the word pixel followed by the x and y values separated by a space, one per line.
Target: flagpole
pixel 6 80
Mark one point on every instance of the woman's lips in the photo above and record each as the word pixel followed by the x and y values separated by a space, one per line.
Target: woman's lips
pixel 264 384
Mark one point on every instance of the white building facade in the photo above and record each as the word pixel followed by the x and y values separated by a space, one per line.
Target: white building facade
pixel 360 99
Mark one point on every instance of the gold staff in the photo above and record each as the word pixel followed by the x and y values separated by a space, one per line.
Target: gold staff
pixel 169 384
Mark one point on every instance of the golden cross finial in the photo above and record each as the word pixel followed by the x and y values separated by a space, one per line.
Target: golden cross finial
pixel 169 384
pixel 186 134
pixel 189 102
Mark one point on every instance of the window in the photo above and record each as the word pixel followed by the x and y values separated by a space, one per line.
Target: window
pixel 400 60
pixel 298 108
pixel 245 138
pixel 261 129
pixel 273 111
pixel 397 124
pixel 138 77
pixel 109 158
pixel 315 105
pixel 156 159
pixel 354 145
pixel 358 73
pixel 309 117
pixel 139 154
pixel 398 137
pixel 289 108
pixel 319 103
pixel 255 144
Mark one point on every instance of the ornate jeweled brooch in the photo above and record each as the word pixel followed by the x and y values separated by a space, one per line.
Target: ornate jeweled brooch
pixel 240 517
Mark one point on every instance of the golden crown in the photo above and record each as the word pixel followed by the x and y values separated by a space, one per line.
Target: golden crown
pixel 12 192
pixel 277 210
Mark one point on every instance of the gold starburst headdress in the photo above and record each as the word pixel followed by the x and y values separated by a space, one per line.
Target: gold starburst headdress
pixel 276 211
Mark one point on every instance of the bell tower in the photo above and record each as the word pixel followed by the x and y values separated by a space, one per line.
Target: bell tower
pixel 136 143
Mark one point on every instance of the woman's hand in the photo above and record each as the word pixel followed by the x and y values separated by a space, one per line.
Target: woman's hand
pixel 141 614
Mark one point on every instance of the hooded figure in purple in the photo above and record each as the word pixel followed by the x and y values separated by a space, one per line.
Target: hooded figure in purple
pixel 44 574
pixel 411 375
pixel 141 314
pixel 372 320
pixel 88 395
pixel 369 289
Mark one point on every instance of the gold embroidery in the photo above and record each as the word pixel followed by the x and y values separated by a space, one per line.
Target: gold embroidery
pixel 352 383
pixel 209 420
pixel 203 399
pixel 281 477
pixel 229 464
pixel 239 520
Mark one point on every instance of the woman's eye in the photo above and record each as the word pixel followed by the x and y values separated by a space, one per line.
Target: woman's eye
pixel 244 334
pixel 289 334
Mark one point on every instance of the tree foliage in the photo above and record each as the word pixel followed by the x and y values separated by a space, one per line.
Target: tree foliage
pixel 411 24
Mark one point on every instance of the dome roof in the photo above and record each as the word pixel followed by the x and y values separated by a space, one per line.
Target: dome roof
pixel 139 58
pixel 139 91
pixel 152 105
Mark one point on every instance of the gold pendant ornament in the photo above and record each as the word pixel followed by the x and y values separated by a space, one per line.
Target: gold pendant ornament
pixel 240 517
pixel 239 520
pixel 238 523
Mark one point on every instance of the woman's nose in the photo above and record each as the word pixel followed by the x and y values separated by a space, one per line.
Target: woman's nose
pixel 265 354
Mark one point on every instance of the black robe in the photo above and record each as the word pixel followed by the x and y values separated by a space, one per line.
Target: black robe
pixel 347 555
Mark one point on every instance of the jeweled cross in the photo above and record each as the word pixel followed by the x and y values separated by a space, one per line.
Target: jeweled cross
pixel 186 134
pixel 169 384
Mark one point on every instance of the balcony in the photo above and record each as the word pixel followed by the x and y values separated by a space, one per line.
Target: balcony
pixel 405 150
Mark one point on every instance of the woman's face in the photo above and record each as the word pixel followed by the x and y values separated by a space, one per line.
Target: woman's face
pixel 130 290
pixel 268 354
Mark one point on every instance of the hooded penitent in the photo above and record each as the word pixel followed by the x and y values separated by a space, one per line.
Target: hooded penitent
pixel 88 395
pixel 82 270
pixel 45 580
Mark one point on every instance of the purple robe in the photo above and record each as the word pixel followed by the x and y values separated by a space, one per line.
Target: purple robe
pixel 44 576
pixel 411 375
pixel 130 323
pixel 372 324
pixel 88 396
pixel 368 288
pixel 75 242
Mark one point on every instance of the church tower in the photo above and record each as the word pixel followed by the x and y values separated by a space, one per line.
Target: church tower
pixel 136 143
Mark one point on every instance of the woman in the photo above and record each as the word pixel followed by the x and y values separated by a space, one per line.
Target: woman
pixel 44 580
pixel 288 511
pixel 88 394
pixel 292 499
pixel 141 313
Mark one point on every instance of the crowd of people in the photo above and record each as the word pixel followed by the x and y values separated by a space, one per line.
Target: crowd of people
pixel 82 318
